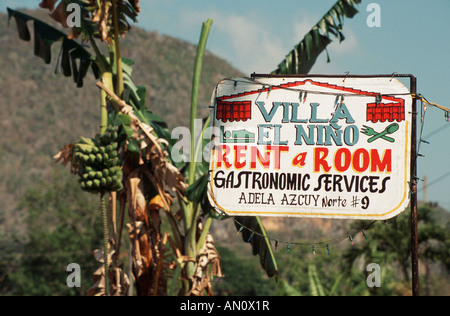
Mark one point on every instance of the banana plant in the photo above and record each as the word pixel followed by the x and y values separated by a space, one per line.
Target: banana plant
pixel 81 155
pixel 143 145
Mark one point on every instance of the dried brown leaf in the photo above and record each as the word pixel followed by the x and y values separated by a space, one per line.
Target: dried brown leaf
pixel 156 203
pixel 135 5
pixel 102 16
pixel 65 154
pixel 48 4
pixel 136 197
pixel 208 266
pixel 60 14
pixel 119 281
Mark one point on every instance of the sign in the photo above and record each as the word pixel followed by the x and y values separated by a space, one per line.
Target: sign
pixel 325 147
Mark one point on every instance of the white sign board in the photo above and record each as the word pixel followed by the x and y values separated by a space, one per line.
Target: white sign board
pixel 311 147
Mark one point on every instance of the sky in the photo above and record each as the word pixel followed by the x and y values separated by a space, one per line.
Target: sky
pixel 254 36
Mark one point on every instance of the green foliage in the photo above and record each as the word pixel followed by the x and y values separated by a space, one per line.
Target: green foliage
pixel 241 277
pixel 343 272
pixel 63 228
pixel 314 282
pixel 390 243
pixel 302 273
pixel 260 242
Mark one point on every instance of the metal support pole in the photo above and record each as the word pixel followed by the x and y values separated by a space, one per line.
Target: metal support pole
pixel 414 231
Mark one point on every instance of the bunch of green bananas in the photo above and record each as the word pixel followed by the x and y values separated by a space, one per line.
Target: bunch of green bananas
pixel 99 163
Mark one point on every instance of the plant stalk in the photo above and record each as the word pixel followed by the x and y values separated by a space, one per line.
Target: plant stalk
pixel 189 211
pixel 117 55
pixel 108 82
pixel 192 211
pixel 202 239
pixel 105 241
pixel 194 96
pixel 103 112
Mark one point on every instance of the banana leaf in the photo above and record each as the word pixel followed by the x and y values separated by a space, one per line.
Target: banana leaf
pixel 75 60
pixel 255 234
pixel 304 55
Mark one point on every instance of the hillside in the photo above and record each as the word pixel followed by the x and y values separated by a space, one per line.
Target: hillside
pixel 41 111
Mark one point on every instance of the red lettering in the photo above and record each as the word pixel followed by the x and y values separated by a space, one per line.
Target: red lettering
pixel 255 156
pixel 239 153
pixel 342 159
pixel 381 165
pixel 320 156
pixel 224 151
pixel 277 150
pixel 299 160
pixel 361 160
pixel 269 157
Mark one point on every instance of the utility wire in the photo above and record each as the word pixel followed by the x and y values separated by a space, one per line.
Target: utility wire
pixel 438 130
pixel 436 181
pixel 315 244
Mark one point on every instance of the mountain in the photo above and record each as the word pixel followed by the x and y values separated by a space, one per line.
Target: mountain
pixel 41 111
